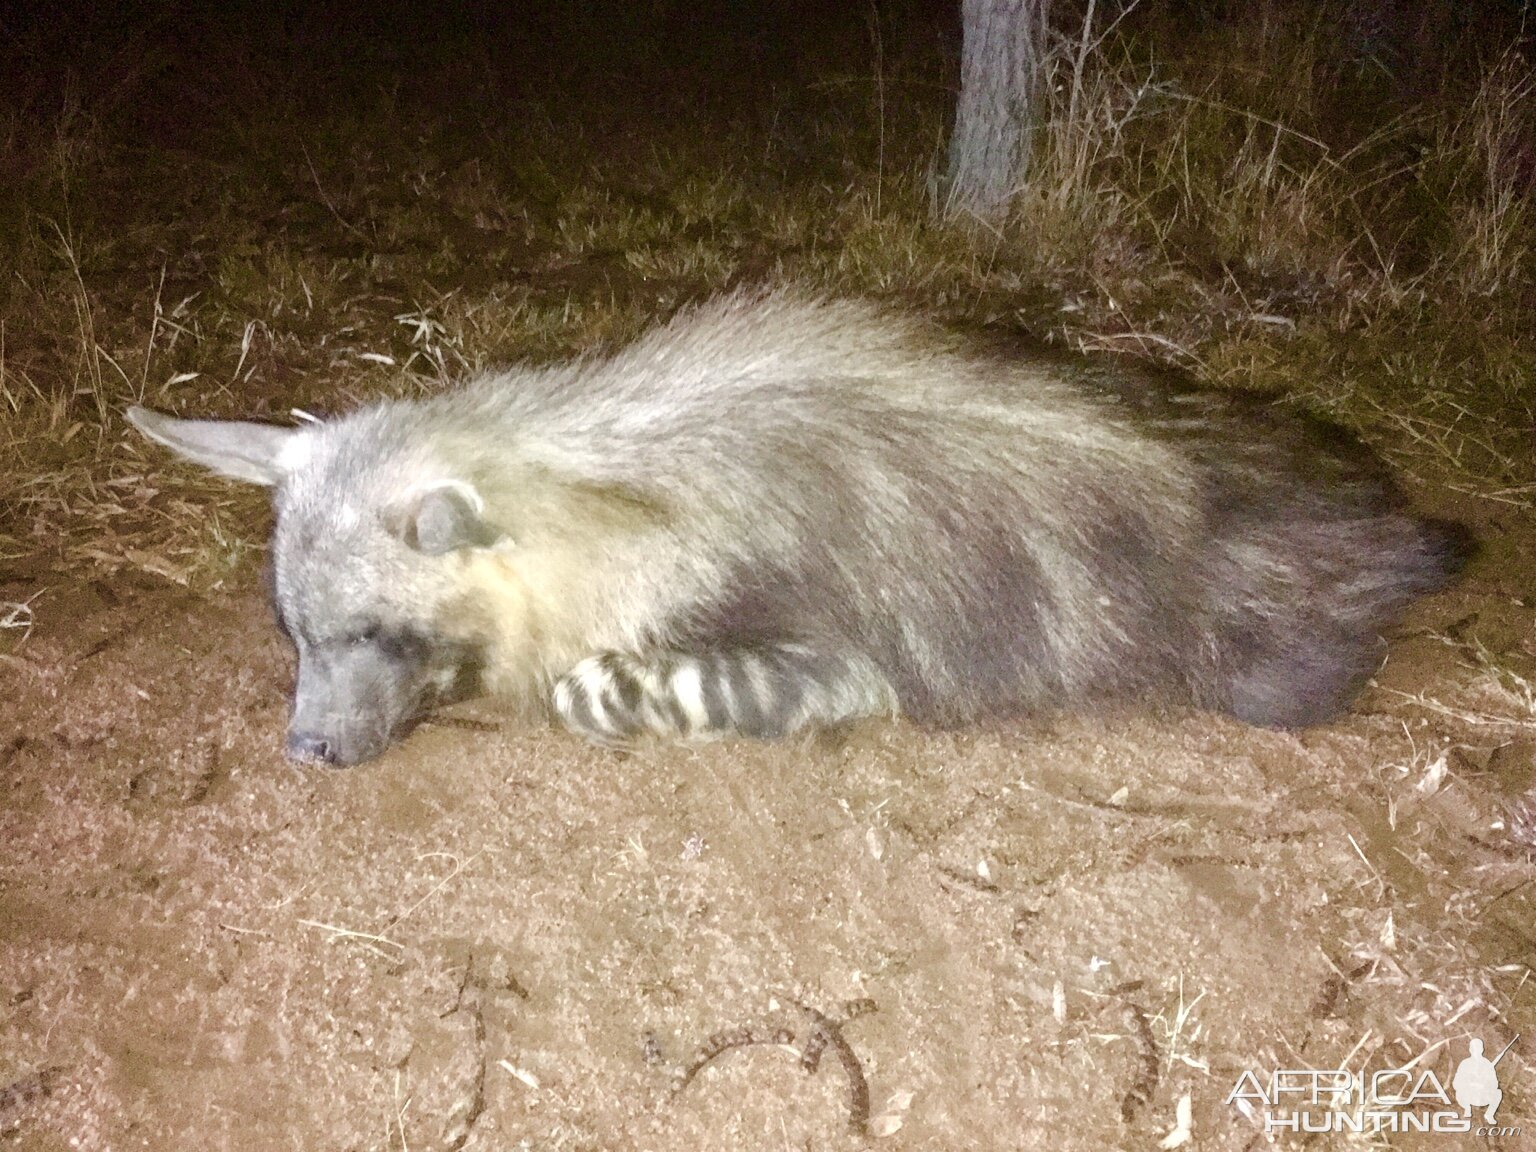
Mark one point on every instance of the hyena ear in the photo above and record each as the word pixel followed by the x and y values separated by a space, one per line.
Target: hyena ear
pixel 259 453
pixel 440 517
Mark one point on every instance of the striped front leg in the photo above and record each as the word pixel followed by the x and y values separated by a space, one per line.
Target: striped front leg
pixel 764 693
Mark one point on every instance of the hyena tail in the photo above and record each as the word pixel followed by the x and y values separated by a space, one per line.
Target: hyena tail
pixel 1296 655
pixel 1449 546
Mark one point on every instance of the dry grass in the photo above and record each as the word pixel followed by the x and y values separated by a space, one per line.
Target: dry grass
pixel 1190 201
pixel 1497 694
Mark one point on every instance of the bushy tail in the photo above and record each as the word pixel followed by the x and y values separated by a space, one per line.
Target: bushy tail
pixel 1302 633
pixel 1448 547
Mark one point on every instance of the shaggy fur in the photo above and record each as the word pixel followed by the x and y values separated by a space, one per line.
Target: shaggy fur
pixel 777 512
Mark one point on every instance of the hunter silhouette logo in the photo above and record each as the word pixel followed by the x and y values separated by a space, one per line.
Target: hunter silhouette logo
pixel 1476 1082
pixel 1410 1098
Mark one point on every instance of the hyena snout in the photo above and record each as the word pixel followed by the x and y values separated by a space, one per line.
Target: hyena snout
pixel 309 748
pixel 336 746
pixel 349 703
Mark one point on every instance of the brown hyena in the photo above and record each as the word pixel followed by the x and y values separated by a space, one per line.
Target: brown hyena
pixel 778 512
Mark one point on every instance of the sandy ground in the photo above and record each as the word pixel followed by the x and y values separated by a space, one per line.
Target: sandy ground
pixel 1038 936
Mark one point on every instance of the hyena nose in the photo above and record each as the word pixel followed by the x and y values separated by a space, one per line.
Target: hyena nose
pixel 307 748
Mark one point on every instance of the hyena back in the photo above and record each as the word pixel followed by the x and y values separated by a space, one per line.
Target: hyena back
pixel 777 513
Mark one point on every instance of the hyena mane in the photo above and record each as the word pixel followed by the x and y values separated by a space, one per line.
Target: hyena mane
pixel 778 512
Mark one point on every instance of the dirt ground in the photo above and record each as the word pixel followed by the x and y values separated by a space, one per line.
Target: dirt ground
pixel 1038 936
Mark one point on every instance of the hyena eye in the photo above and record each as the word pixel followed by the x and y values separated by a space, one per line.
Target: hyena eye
pixel 363 634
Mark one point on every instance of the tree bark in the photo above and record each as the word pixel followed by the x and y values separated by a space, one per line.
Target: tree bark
pixel 1001 59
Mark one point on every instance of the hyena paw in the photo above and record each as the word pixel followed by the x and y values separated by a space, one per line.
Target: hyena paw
pixel 613 698
pixel 604 698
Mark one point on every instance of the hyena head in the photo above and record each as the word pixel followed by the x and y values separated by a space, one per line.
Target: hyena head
pixel 368 539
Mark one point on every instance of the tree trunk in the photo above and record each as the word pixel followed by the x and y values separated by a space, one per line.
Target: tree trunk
pixel 1000 65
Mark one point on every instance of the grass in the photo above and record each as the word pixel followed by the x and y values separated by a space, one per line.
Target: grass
pixel 1269 203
